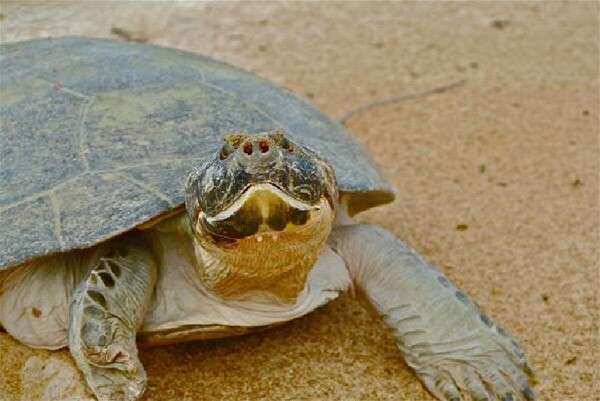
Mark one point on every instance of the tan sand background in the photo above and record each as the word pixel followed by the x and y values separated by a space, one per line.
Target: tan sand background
pixel 497 176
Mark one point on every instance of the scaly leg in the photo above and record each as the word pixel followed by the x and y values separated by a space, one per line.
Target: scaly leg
pixel 106 311
pixel 455 349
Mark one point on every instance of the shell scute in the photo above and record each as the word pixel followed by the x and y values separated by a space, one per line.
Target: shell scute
pixel 98 136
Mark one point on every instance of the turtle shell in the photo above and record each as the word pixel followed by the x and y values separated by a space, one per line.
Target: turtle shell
pixel 98 137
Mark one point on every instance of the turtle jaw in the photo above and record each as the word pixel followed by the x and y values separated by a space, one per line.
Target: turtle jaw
pixel 262 212
pixel 248 161
pixel 265 243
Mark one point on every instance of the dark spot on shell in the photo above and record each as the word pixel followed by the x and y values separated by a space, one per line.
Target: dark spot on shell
pixel 444 281
pixel 461 227
pixel 502 184
pixel 262 48
pixel 545 298
pixel 36 312
pixel 299 217
pixel 97 297
pixel 571 360
pixel 310 95
pixel 486 320
pixel 482 168
pixel 114 268
pixel 474 65
pixel 379 45
pixel 586 113
pixel 462 297
pixel 576 183
pixel 107 279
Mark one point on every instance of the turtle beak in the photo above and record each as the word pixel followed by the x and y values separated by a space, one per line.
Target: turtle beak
pixel 262 208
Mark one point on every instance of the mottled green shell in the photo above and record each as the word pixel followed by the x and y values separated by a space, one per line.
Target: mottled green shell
pixel 98 136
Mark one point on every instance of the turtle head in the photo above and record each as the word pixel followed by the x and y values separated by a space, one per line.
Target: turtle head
pixel 262 208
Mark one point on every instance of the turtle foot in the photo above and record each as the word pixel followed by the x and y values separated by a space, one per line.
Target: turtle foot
pixel 490 367
pixel 109 360
pixel 114 372
pixel 106 311
pixel 113 384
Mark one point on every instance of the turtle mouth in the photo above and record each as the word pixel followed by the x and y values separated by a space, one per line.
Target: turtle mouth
pixel 260 209
pixel 266 194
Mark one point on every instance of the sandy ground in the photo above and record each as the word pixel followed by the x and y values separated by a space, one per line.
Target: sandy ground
pixel 497 176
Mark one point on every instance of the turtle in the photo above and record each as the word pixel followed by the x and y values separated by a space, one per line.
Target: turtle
pixel 151 196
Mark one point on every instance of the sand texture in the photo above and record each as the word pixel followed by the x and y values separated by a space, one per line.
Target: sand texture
pixel 497 176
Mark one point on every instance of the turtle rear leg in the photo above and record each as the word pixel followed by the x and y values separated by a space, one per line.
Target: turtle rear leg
pixel 106 311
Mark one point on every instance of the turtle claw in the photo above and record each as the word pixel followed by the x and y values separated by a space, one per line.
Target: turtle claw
pixel 483 379
pixel 115 385
pixel 114 372
pixel 114 356
pixel 491 370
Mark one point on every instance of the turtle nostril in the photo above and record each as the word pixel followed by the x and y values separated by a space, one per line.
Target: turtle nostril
pixel 248 148
pixel 263 146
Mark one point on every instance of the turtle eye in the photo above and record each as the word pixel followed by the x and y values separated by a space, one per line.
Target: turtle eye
pixel 226 150
pixel 287 145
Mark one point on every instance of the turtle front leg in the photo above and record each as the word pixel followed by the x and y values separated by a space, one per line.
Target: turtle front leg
pixel 106 311
pixel 455 349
